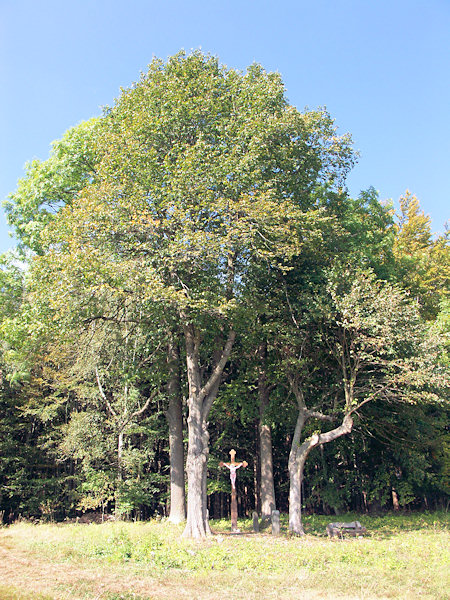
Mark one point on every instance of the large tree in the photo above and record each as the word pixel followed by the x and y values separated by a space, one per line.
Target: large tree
pixel 202 171
pixel 47 187
pixel 373 345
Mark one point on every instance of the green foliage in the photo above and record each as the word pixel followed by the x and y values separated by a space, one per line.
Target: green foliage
pixel 51 184
pixel 379 340
pixel 202 200
pixel 422 262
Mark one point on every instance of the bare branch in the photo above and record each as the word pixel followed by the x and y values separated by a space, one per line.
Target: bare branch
pixel 295 444
pixel 294 320
pixel 369 398
pixel 149 358
pixel 297 391
pixel 314 414
pixel 138 413
pixel 345 427
pixel 216 374
pixel 103 395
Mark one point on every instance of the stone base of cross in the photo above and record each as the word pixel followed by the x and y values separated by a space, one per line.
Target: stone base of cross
pixel 233 466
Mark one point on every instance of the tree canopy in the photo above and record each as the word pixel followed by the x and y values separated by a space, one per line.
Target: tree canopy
pixel 196 263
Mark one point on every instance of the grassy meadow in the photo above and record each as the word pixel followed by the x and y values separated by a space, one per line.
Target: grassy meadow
pixel 401 556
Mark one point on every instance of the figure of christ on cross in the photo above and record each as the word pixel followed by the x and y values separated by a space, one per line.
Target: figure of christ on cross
pixel 233 469
pixel 233 466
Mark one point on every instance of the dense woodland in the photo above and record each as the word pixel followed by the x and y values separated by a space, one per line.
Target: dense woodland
pixel 191 277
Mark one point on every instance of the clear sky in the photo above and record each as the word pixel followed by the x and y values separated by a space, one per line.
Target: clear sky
pixel 381 67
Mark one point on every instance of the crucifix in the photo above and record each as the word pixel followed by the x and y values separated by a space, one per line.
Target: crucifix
pixel 233 466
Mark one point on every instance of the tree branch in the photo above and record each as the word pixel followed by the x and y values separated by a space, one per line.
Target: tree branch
pixel 297 391
pixel 138 413
pixel 368 399
pixel 315 414
pixel 215 375
pixel 345 427
pixel 103 395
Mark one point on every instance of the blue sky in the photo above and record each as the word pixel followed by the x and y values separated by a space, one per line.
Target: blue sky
pixel 382 69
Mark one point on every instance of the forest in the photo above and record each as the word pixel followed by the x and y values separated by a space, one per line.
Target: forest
pixel 192 277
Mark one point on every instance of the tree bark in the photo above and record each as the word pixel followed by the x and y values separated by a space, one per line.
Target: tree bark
pixel 268 503
pixel 196 525
pixel 120 456
pixel 175 420
pixel 267 484
pixel 120 443
pixel 295 476
pixel 257 470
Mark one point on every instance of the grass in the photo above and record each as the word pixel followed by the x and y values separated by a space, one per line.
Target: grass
pixel 10 593
pixel 402 556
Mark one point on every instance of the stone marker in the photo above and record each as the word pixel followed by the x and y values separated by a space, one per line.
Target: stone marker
pixel 275 522
pixel 255 522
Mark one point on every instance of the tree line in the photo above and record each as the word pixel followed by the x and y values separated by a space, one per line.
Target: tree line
pixel 195 277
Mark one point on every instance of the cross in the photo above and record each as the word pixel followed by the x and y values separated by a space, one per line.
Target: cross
pixel 233 466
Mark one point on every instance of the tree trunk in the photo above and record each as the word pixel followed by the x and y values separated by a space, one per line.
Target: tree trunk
pixel 200 401
pixel 296 475
pixel 267 484
pixel 196 526
pixel 395 501
pixel 197 453
pixel 175 419
pixel 120 456
pixel 257 470
pixel 297 458
pixel 120 442
pixel 295 498
pixel 265 440
pixel 205 514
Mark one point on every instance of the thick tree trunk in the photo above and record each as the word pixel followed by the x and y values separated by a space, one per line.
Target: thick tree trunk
pixel 205 513
pixel 175 419
pixel 295 499
pixel 197 453
pixel 267 484
pixel 296 475
pixel 257 470
pixel 196 526
pixel 265 441
pixel 395 502
pixel 200 401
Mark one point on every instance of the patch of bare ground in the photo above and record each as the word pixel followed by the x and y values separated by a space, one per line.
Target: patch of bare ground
pixel 27 575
